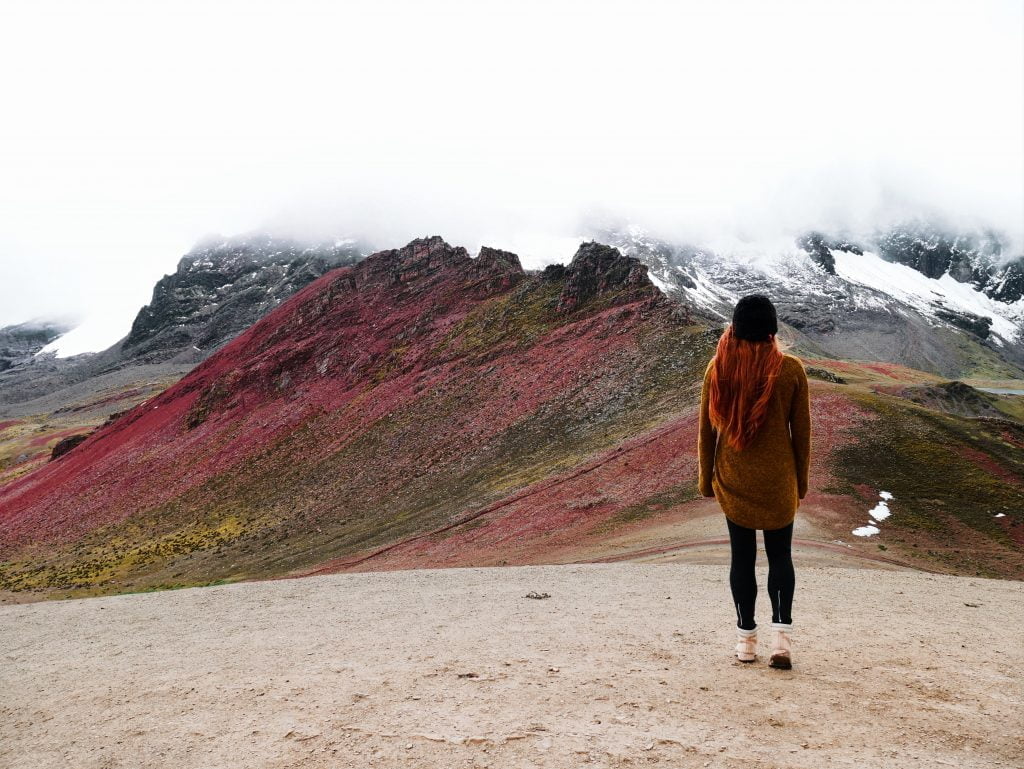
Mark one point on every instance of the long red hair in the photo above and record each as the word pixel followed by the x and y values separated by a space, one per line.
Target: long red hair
pixel 742 380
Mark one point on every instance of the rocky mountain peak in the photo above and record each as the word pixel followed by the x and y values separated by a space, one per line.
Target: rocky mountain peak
pixel 496 259
pixel 422 261
pixel 419 258
pixel 598 269
pixel 222 287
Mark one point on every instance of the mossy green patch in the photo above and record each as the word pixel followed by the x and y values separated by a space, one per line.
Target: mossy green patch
pixel 926 459
pixel 515 319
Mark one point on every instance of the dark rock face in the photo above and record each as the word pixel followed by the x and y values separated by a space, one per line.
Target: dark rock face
pixel 65 445
pixel 820 248
pixel 220 289
pixel 929 253
pixel 979 258
pixel 814 243
pixel 498 270
pixel 597 268
pixel 1006 284
pixel 968 321
pixel 553 272
pixel 805 316
pixel 19 343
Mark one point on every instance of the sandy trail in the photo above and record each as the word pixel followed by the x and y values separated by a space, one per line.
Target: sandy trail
pixel 624 665
pixel 702 537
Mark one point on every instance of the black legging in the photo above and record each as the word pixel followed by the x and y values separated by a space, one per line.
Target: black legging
pixel 781 576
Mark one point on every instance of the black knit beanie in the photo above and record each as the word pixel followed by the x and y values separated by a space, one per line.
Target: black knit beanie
pixel 754 318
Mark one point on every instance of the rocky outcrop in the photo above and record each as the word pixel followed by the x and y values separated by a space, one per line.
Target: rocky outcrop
pixel 498 270
pixel 1006 282
pixel 979 325
pixel 67 444
pixel 820 249
pixel 953 398
pixel 596 270
pixel 929 253
pixel 824 375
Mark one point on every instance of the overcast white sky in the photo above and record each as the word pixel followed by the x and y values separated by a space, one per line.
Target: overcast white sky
pixel 129 130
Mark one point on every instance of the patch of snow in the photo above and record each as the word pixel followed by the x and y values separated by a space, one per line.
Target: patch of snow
pixel 93 335
pixel 925 294
pixel 664 287
pixel 865 531
pixel 878 513
pixel 708 294
pixel 1000 515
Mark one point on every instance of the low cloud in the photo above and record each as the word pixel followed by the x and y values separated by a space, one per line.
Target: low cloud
pixel 129 137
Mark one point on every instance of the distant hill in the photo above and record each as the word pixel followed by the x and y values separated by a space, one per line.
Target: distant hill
pixel 919 295
pixel 20 342
pixel 218 290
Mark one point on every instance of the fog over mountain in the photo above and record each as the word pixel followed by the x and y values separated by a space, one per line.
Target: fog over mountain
pixel 737 126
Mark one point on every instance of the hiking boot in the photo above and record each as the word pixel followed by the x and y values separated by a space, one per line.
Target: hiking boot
pixel 781 646
pixel 746 644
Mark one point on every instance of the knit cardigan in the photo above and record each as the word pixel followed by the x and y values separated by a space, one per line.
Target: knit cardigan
pixel 760 486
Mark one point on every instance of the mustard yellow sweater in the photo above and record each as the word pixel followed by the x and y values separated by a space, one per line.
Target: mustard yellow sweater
pixel 760 486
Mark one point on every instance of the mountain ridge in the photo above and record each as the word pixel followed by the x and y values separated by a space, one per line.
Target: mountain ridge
pixel 455 411
pixel 234 433
pixel 843 300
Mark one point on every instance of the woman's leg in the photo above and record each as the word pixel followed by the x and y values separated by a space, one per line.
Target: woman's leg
pixel 741 573
pixel 778 545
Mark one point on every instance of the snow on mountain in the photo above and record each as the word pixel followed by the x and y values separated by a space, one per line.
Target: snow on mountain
pixel 930 296
pixel 92 335
pixel 19 343
pixel 904 300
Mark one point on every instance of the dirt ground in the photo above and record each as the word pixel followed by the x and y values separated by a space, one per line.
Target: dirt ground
pixel 623 665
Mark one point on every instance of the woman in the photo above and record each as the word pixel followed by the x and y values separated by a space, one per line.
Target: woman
pixel 754 447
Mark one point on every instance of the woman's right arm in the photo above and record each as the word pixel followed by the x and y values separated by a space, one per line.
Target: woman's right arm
pixel 707 439
pixel 800 429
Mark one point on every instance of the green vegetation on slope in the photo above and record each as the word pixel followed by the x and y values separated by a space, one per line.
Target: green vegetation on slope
pixel 951 475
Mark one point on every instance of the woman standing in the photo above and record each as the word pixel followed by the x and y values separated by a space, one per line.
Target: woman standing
pixel 754 448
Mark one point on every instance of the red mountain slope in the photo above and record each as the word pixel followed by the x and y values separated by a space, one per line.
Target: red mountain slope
pixel 379 401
